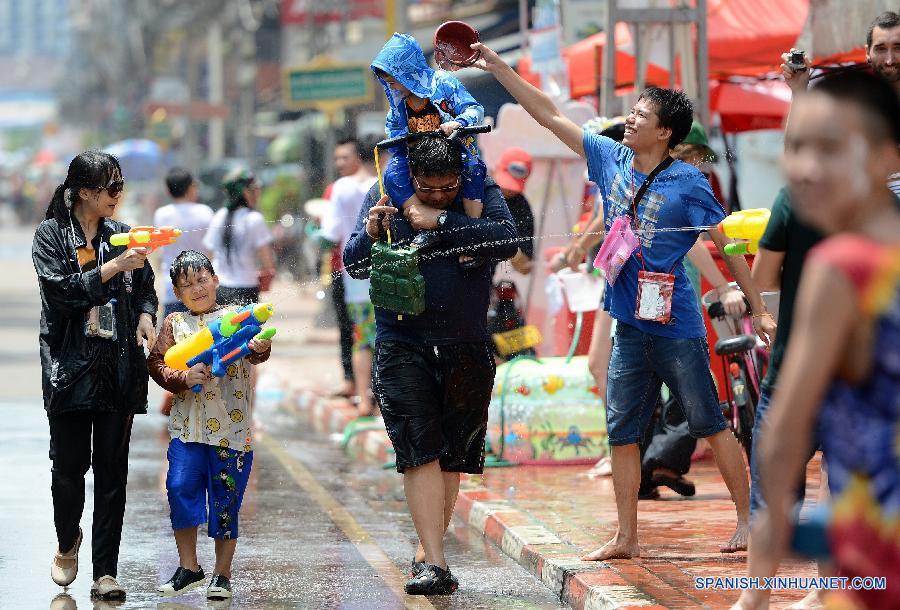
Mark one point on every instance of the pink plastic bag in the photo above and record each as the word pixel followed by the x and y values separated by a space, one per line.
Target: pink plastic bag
pixel 617 247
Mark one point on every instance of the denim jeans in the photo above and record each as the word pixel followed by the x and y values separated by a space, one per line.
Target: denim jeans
pixel 640 363
pixel 756 499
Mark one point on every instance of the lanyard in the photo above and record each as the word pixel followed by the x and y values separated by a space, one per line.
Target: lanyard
pixel 636 199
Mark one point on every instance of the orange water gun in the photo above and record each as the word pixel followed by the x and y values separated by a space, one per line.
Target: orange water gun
pixel 146 237
pixel 748 227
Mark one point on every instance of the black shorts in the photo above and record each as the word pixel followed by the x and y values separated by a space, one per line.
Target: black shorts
pixel 237 296
pixel 434 401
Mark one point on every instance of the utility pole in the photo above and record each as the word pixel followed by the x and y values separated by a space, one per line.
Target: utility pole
pixel 216 90
pixel 247 102
pixel 191 148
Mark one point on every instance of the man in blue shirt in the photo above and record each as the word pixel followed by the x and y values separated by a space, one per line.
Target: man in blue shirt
pixel 434 372
pixel 660 336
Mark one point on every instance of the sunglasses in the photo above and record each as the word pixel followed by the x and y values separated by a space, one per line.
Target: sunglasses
pixel 113 188
pixel 439 189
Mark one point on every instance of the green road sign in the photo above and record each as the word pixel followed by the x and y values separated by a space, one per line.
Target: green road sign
pixel 324 85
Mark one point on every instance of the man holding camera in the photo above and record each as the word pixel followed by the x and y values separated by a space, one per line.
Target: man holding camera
pixel 882 53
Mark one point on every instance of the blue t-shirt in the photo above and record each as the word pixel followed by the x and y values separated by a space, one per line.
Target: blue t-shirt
pixel 680 196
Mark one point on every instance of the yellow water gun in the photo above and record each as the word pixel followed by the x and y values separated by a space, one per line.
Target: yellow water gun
pixel 223 341
pixel 747 226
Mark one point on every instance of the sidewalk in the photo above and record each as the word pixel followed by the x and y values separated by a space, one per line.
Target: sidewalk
pixel 546 517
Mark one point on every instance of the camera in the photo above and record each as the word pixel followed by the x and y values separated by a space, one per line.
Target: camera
pixel 100 321
pixel 797 61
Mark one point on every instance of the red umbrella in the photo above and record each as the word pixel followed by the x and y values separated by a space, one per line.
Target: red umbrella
pixel 750 105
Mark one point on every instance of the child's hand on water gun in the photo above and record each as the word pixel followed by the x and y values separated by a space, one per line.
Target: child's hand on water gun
pixel 449 127
pixel 260 346
pixel 197 375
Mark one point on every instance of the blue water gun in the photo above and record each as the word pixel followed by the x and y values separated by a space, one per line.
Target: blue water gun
pixel 230 336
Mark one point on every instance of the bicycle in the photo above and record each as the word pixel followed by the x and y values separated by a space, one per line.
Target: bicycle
pixel 743 373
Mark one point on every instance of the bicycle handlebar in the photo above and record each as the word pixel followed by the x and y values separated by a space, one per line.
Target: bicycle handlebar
pixel 717 310
pixel 462 131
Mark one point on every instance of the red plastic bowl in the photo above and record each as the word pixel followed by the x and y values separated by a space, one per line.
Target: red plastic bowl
pixel 452 45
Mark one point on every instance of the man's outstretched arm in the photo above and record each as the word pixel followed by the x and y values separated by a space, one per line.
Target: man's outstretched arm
pixel 532 99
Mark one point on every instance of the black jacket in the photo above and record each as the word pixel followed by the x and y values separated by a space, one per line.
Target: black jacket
pixel 89 373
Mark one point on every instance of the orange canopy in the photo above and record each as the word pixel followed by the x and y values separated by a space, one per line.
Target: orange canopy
pixel 745 37
pixel 749 36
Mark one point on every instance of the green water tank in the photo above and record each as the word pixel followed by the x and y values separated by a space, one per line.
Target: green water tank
pixel 395 281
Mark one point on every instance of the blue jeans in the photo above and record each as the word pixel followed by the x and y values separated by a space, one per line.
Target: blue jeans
pixel 756 500
pixel 640 363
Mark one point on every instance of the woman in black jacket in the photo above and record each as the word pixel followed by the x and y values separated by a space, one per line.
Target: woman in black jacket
pixel 98 307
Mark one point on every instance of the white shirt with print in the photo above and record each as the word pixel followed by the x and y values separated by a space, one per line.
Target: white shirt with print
pixel 220 414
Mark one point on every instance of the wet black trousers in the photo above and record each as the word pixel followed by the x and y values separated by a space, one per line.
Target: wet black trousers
pixel 82 440
pixel 345 326
pixel 666 443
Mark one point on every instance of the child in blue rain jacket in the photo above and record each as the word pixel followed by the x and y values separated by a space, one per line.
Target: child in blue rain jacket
pixel 424 99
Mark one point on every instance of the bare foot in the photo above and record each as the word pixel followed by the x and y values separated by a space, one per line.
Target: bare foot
pixel 738 540
pixel 614 550
pixel 752 600
pixel 812 601
pixel 602 468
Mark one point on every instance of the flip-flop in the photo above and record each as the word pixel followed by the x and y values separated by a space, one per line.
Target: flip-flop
pixel 651 493
pixel 679 485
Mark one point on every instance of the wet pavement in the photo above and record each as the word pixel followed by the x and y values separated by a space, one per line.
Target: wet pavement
pixel 318 529
pixel 547 517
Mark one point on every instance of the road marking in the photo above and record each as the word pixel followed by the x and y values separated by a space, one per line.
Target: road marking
pixel 341 517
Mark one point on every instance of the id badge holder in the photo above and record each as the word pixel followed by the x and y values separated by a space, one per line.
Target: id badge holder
pixel 654 296
pixel 100 321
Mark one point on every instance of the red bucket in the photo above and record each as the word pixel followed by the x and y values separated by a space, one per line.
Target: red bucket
pixel 452 45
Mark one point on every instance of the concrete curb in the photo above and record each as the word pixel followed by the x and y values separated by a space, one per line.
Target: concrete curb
pixel 583 585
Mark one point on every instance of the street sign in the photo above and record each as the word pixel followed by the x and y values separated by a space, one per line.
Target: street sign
pixel 327 85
